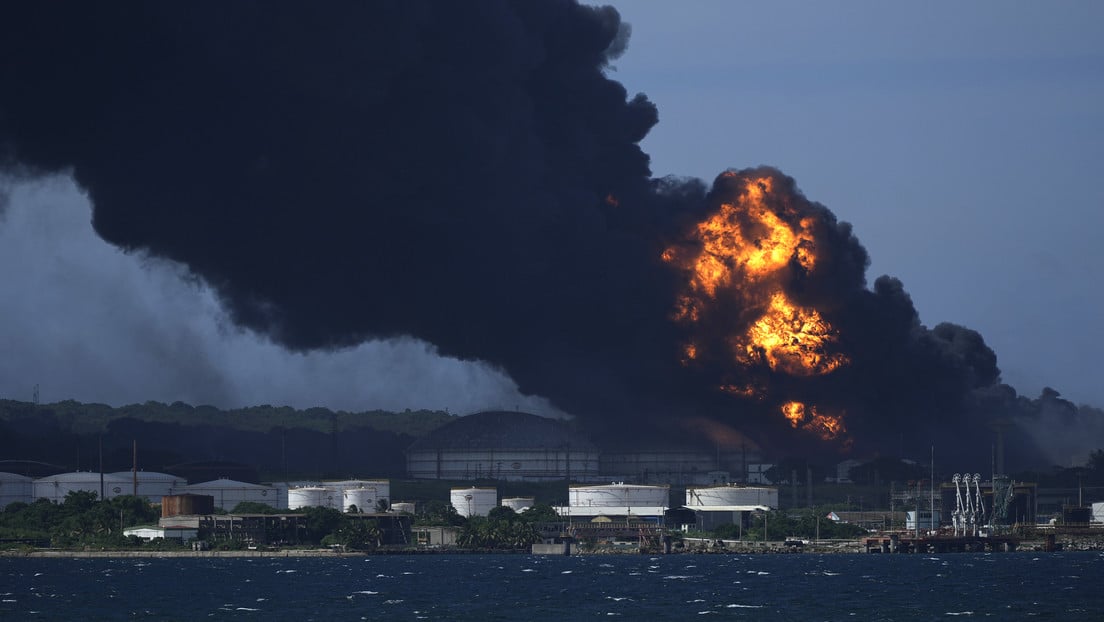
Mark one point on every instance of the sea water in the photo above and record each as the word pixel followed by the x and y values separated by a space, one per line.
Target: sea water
pixel 1001 586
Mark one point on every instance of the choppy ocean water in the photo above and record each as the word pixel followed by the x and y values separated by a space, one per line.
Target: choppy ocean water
pixel 1017 586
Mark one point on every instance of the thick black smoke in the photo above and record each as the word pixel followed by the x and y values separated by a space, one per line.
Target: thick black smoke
pixel 463 172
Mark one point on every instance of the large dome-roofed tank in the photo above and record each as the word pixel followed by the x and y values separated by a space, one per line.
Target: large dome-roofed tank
pixel 56 487
pixel 731 496
pixel 151 485
pixel 619 495
pixel 503 445
pixel 15 488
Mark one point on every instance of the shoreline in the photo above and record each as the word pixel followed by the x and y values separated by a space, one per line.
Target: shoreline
pixel 1066 544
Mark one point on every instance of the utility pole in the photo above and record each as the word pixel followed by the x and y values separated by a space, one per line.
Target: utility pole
pixel 932 503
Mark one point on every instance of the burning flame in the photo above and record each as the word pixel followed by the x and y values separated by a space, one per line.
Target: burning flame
pixel 791 339
pixel 827 427
pixel 744 251
pixel 744 239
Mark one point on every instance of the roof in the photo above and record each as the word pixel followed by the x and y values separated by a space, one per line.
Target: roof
pixel 501 430
pixel 149 476
pixel 225 484
pixel 81 477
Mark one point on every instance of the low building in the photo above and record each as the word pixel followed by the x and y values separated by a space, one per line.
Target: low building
pixel 922 520
pixel 435 536
pixel 149 532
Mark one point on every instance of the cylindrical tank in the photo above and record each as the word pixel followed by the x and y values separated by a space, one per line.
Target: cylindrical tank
pixel 402 506
pixel 151 485
pixel 518 504
pixel 474 501
pixel 312 497
pixel 187 505
pixel 619 495
pixel 56 487
pixel 363 499
pixel 713 496
pixel 370 493
pixel 229 493
pixel 14 488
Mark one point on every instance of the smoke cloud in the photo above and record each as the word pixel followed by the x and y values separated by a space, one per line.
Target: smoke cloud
pixel 461 173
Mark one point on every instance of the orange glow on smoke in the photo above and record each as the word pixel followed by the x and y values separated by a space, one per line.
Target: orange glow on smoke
pixel 827 427
pixel 747 240
pixel 795 412
pixel 741 256
pixel 791 339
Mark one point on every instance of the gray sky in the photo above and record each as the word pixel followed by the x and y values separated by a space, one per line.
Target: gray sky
pixel 962 140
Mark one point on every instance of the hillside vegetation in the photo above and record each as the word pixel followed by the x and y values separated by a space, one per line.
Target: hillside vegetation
pixel 276 442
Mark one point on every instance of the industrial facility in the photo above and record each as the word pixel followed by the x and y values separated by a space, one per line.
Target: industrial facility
pixel 618 500
pixel 502 445
pixel 724 505
pixel 470 502
pixel 514 446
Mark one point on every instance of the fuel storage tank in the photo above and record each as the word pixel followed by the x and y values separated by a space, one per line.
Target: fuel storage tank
pixel 619 496
pixel 519 504
pixel 474 501
pixel 313 497
pixel 708 497
pixel 14 488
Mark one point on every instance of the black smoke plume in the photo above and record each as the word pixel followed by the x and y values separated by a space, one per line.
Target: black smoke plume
pixel 462 172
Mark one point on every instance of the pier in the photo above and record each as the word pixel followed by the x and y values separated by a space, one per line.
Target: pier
pixel 908 543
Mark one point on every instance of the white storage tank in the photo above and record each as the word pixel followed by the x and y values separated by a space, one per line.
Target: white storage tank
pixel 229 493
pixel 55 487
pixel 518 504
pixel 731 497
pixel 15 488
pixel 403 506
pixel 363 499
pixel 313 497
pixel 151 485
pixel 474 501
pixel 619 495
pixel 367 496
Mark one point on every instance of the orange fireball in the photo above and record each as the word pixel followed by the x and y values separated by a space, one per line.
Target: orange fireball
pixel 745 252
